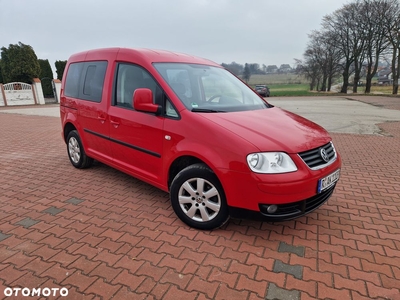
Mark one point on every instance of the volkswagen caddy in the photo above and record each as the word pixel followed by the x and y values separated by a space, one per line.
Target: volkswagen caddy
pixel 191 128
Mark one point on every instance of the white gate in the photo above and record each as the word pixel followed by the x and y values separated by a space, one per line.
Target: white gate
pixel 19 93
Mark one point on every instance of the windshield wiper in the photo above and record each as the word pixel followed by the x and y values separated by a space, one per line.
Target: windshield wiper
pixel 207 110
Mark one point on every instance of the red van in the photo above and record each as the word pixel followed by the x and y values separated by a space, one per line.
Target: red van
pixel 191 128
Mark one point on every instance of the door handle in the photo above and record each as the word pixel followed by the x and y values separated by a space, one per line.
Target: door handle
pixel 115 123
pixel 101 118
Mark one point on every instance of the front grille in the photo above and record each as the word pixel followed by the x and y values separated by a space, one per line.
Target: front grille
pixel 292 210
pixel 313 158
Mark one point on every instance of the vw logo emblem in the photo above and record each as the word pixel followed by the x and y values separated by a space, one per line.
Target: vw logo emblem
pixel 324 155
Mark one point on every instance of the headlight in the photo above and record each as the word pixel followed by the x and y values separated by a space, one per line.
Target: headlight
pixel 271 162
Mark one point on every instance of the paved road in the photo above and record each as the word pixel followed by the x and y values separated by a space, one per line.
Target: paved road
pixel 102 234
pixel 50 110
pixel 336 114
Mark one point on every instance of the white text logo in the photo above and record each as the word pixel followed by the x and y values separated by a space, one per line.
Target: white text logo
pixel 26 292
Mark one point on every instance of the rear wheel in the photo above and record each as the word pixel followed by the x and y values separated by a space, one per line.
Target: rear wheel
pixel 76 153
pixel 198 199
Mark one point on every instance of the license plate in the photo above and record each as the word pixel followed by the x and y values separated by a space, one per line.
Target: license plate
pixel 328 181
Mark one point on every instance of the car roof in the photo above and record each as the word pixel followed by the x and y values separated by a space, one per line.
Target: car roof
pixel 139 55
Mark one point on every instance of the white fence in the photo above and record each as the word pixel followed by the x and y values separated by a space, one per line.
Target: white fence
pixel 20 93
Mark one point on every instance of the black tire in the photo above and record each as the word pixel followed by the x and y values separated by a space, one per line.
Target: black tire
pixel 198 198
pixel 76 153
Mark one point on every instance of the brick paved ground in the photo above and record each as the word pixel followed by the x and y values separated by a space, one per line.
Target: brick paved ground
pixel 103 234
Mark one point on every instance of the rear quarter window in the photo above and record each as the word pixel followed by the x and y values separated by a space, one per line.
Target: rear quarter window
pixel 72 80
pixel 85 80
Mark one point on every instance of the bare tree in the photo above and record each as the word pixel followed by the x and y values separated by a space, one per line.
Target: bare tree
pixel 316 61
pixel 310 70
pixel 354 38
pixel 326 55
pixel 316 56
pixel 374 13
pixel 359 39
pixel 392 22
pixel 334 57
pixel 342 28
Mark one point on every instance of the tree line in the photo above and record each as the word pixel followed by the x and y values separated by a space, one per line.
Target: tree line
pixel 351 43
pixel 245 71
pixel 19 63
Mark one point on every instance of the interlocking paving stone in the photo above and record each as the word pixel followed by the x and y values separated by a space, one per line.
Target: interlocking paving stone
pixel 74 201
pixel 128 226
pixel 4 236
pixel 277 293
pixel 27 222
pixel 283 247
pixel 53 210
pixel 296 271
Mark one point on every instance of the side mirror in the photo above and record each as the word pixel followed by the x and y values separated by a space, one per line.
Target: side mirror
pixel 143 101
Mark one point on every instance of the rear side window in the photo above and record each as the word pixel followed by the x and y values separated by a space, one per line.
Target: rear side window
pixel 94 73
pixel 85 80
pixel 72 81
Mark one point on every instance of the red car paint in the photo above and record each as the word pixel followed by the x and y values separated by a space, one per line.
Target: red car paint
pixel 221 141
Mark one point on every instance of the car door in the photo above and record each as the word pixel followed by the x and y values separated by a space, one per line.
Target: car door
pixel 92 110
pixel 136 137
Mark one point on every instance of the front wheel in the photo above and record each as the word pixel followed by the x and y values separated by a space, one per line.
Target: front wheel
pixel 198 199
pixel 76 153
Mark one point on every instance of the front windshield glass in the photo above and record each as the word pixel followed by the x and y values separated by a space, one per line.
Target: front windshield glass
pixel 204 88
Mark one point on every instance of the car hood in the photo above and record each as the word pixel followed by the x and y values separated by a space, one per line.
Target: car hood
pixel 273 129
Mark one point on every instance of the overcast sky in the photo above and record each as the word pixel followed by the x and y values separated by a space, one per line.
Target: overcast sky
pixel 270 32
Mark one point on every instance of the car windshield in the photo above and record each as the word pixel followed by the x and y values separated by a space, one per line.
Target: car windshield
pixel 203 88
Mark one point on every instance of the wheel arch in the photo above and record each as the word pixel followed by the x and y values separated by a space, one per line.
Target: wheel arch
pixel 181 163
pixel 68 127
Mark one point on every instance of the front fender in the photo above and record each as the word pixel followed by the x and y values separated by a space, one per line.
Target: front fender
pixel 218 158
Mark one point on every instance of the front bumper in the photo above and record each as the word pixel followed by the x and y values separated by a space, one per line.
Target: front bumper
pixel 284 212
pixel 295 194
